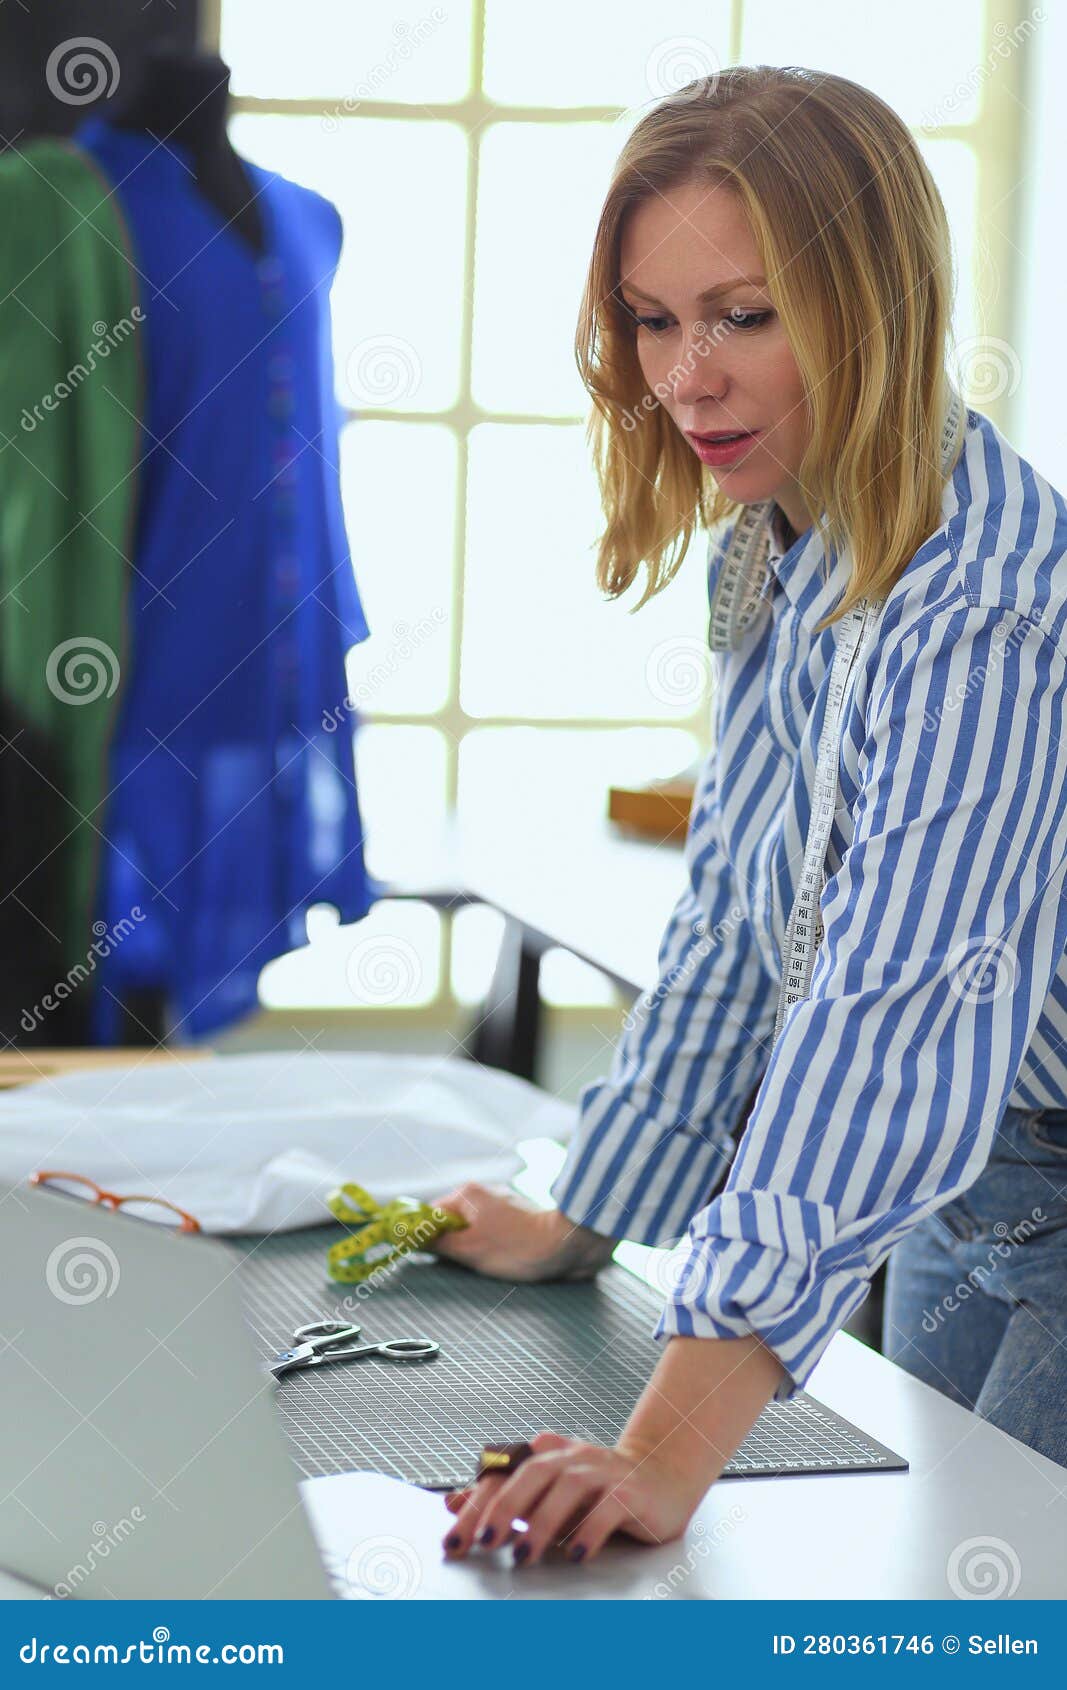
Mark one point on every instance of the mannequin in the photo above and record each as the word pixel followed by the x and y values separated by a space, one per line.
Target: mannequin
pixel 245 602
pixel 185 98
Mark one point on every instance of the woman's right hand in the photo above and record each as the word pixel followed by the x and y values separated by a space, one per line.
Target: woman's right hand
pixel 508 1238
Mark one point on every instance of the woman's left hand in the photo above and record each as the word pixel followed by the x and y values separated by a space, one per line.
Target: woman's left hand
pixel 573 1491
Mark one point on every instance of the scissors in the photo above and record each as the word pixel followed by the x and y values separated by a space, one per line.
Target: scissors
pixel 335 1340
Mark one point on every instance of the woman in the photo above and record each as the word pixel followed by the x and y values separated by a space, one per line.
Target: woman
pixel 773 260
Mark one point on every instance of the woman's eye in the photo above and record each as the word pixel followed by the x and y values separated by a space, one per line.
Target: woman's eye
pixel 738 319
pixel 735 319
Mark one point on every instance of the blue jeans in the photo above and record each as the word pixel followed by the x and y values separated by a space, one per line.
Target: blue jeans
pixel 976 1294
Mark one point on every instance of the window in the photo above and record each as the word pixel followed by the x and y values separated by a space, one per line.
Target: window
pixel 468 155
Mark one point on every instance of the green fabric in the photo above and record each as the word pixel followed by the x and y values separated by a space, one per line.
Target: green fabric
pixel 70 377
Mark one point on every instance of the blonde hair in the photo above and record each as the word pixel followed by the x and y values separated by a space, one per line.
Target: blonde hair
pixel 858 261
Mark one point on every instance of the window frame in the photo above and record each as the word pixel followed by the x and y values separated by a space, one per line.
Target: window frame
pixel 997 137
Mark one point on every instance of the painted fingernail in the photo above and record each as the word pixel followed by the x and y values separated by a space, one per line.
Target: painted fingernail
pixel 452 1540
pixel 487 1535
pixel 521 1551
pixel 576 1553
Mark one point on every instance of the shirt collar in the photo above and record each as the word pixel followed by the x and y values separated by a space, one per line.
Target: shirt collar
pixel 812 576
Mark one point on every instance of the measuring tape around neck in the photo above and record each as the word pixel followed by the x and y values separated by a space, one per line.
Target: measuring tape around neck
pixel 742 574
pixel 736 597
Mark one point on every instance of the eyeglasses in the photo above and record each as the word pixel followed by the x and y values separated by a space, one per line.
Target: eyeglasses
pixel 78 1185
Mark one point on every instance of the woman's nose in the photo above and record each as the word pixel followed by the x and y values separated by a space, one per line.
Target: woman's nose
pixel 700 372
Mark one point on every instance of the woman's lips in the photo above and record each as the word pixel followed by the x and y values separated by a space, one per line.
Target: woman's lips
pixel 723 451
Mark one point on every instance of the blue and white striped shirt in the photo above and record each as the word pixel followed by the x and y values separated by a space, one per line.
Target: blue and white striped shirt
pixel 939 991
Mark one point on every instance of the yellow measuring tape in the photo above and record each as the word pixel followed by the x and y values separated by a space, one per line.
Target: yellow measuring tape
pixel 384 1231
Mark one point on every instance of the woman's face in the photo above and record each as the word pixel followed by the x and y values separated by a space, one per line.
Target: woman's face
pixel 719 364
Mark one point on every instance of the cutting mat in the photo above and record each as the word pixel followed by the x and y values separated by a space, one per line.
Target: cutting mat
pixel 514 1359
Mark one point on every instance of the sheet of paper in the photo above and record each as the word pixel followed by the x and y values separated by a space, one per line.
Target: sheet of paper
pixel 382 1538
pixel 252 1142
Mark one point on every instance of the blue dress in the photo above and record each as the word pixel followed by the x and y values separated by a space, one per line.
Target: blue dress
pixel 232 802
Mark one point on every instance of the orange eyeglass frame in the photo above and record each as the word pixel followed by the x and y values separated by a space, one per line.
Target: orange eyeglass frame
pixel 187 1222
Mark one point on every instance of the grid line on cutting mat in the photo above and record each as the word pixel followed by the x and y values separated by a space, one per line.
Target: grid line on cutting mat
pixel 514 1358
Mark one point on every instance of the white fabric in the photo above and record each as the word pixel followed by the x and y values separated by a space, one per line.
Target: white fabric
pixel 253 1143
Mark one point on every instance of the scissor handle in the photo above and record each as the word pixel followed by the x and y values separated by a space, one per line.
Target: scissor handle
pixel 390 1349
pixel 336 1329
pixel 329 1340
pixel 407 1349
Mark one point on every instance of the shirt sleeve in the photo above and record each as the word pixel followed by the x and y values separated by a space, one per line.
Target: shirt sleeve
pixel 944 927
pixel 653 1137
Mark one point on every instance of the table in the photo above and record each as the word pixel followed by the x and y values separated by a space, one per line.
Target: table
pixel 18 1067
pixel 931 1533
pixel 884 1535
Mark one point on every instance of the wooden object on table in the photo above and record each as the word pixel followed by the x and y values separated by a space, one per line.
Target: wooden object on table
pixel 19 1067
pixel 659 811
